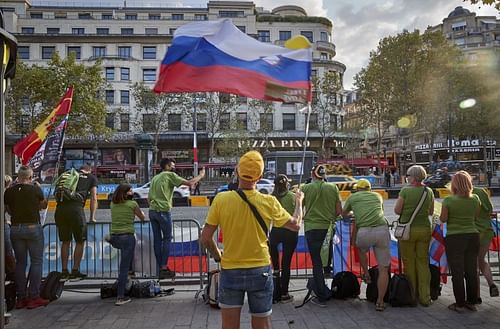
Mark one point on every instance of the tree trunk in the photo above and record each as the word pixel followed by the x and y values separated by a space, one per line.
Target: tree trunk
pixel 431 152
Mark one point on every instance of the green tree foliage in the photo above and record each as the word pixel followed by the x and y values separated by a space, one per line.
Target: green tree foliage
pixel 262 112
pixel 326 97
pixel 495 3
pixel 159 106
pixel 36 90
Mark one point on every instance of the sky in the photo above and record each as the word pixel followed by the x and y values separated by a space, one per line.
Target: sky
pixel 358 25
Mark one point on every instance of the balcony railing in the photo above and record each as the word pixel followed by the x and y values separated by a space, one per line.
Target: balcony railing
pixel 325 45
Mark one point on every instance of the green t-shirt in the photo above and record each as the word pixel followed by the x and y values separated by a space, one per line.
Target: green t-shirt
pixel 287 201
pixel 162 189
pixel 320 199
pixel 483 222
pixel 122 217
pixel 368 208
pixel 461 214
pixel 411 196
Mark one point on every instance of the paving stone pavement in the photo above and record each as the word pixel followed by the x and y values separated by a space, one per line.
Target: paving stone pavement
pixel 183 311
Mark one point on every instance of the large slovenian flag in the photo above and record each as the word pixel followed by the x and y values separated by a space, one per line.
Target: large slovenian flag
pixel 215 56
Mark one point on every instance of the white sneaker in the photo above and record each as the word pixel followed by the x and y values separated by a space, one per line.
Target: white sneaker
pixel 122 301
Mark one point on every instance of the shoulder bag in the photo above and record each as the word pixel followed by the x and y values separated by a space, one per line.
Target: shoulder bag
pixel 402 230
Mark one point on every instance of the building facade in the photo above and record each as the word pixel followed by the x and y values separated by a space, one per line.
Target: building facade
pixel 131 42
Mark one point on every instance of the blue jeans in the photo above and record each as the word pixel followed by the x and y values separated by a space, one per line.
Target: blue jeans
pixel 161 224
pixel 28 239
pixel 126 243
pixel 315 240
pixel 257 282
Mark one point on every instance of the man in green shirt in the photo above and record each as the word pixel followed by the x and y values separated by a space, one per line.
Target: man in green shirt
pixel 160 203
pixel 371 231
pixel 322 206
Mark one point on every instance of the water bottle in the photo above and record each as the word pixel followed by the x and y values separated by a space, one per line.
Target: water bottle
pixel 157 288
pixel 152 289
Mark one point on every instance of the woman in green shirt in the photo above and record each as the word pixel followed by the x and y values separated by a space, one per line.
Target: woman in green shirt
pixel 460 211
pixel 123 212
pixel 415 251
pixel 281 235
pixel 486 234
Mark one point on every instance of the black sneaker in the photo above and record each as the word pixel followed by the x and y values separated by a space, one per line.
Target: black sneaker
pixel 493 290
pixel 77 276
pixel 65 275
pixel 286 299
pixel 166 273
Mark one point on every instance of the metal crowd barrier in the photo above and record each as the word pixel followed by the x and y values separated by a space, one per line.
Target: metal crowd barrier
pixel 101 261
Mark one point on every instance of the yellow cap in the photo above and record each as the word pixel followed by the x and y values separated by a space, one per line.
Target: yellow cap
pixel 250 166
pixel 363 184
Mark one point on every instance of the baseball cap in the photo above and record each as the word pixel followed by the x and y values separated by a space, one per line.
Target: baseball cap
pixel 250 166
pixel 281 179
pixel 363 184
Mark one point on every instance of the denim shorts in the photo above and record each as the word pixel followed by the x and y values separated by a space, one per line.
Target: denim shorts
pixel 257 282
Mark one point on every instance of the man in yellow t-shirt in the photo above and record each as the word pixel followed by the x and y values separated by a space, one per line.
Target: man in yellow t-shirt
pixel 246 264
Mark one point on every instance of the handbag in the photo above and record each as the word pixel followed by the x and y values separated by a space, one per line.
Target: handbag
pixel 402 230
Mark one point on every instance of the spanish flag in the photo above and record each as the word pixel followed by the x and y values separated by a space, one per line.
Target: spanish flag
pixel 29 145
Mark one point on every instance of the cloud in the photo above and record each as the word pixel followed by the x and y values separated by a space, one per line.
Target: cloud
pixel 358 26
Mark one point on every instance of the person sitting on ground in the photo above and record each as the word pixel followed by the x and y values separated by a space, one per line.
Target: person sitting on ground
pixel 486 234
pixel 123 212
pixel 23 202
pixel 371 230
pixel 280 235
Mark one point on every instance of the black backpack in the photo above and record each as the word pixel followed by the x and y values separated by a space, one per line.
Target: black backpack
pixel 435 282
pixel 276 287
pixel 345 285
pixel 372 289
pixel 52 287
pixel 145 289
pixel 401 291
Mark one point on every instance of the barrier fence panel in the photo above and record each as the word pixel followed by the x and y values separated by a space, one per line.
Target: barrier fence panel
pixel 101 261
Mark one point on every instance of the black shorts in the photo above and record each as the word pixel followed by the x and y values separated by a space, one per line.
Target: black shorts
pixel 71 223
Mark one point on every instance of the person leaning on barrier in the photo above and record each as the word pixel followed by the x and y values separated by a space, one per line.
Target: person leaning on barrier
pixel 415 251
pixel 245 264
pixel 371 230
pixel 23 202
pixel 280 235
pixel 460 211
pixel 160 203
pixel 322 206
pixel 71 223
pixel 486 234
pixel 123 212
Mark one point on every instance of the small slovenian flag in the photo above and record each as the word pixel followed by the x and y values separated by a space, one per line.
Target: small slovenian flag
pixel 215 56
pixel 437 250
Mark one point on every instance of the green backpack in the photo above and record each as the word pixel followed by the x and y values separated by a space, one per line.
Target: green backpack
pixel 65 187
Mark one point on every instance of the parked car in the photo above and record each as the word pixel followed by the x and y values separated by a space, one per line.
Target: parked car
pixel 343 182
pixel 264 186
pixel 142 191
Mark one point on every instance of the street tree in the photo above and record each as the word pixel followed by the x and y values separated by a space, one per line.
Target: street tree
pixel 262 112
pixel 326 93
pixel 37 90
pixel 495 3
pixel 154 110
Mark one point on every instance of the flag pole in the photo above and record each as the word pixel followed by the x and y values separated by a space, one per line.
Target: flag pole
pixel 195 139
pixel 308 116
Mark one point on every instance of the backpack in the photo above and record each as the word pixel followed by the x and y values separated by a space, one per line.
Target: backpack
pixel 371 288
pixel 345 285
pixel 435 282
pixel 276 287
pixel 211 293
pixel 401 291
pixel 52 287
pixel 145 289
pixel 65 187
pixel 111 289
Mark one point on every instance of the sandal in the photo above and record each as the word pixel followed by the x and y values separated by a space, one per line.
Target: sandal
pixel 455 307
pixel 379 307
